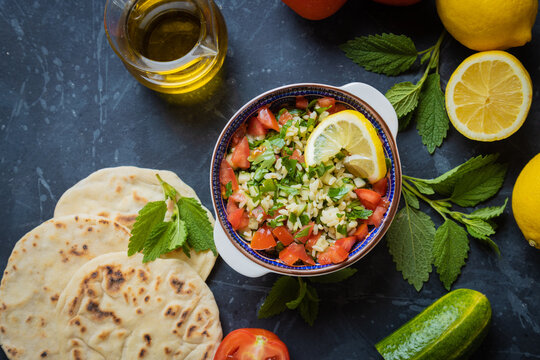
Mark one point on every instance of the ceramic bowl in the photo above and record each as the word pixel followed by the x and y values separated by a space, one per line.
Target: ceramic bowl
pixel 358 96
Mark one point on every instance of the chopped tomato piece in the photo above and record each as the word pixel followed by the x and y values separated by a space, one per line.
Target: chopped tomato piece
pixel 226 175
pixel 244 221
pixel 380 186
pixel 238 197
pixel 258 211
pixel 304 234
pixel 337 108
pixel 326 102
pixel 297 156
pixel 231 206
pixel 333 255
pixel 377 216
pixel 235 217
pixel 301 102
pixel 312 241
pixel 238 135
pixel 369 198
pixel 361 232
pixel 283 118
pixel 263 239
pixel 294 252
pixel 267 119
pixel 240 155
pixel 255 128
pixel 346 243
pixel 283 235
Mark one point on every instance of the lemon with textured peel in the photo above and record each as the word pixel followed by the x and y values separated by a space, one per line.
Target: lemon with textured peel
pixel 489 24
pixel 488 96
pixel 526 201
pixel 349 130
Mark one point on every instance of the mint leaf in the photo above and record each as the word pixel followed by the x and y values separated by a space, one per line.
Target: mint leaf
pixel 478 228
pixel 410 241
pixel 475 187
pixel 410 198
pixel 450 250
pixel 334 277
pixel 200 232
pixel 309 307
pixel 358 212
pixel 404 97
pixel 384 54
pixel 302 233
pixel 170 192
pixel 157 243
pixel 149 216
pixel 177 234
pixel 423 188
pixel 301 294
pixel 431 118
pixel 444 184
pixel 488 212
pixel 283 291
pixel 337 194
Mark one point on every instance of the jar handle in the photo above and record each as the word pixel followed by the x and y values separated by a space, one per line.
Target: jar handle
pixel 233 257
pixel 377 101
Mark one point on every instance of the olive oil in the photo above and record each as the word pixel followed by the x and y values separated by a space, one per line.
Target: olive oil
pixel 171 46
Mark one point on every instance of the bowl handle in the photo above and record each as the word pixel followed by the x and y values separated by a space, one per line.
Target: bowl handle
pixel 377 101
pixel 233 257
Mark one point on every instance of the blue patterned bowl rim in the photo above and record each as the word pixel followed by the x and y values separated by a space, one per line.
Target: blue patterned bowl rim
pixel 285 94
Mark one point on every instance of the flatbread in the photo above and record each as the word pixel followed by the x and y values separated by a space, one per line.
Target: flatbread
pixel 119 193
pixel 116 307
pixel 37 271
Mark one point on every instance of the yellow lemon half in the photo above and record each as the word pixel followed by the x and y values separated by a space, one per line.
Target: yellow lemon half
pixel 526 201
pixel 349 130
pixel 489 24
pixel 488 96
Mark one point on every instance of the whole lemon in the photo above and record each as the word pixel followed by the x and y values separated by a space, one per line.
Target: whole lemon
pixel 489 24
pixel 526 201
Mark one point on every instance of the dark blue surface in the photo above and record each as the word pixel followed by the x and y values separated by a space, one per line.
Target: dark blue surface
pixel 69 107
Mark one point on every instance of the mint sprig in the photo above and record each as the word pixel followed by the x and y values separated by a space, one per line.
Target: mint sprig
pixel 424 101
pixel 298 294
pixel 189 227
pixel 414 243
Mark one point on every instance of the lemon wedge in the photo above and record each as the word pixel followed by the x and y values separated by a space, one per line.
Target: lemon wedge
pixel 488 96
pixel 349 130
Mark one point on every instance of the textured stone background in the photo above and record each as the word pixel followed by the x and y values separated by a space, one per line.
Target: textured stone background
pixel 68 107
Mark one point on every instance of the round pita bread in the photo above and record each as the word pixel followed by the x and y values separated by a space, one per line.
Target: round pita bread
pixel 116 307
pixel 37 271
pixel 119 193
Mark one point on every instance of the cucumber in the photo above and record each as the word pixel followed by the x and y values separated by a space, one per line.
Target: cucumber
pixel 450 328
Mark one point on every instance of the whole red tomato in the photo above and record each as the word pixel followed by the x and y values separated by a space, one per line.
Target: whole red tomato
pixel 398 2
pixel 251 344
pixel 315 9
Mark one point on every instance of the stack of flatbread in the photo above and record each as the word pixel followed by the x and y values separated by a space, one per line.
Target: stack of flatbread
pixel 69 290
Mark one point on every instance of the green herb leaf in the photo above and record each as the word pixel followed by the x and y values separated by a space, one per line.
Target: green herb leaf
pixel 478 228
pixel 404 97
pixel 425 57
pixel 337 194
pixel 488 212
pixel 288 189
pixel 177 234
pixel 410 241
pixel 342 229
pixel 423 188
pixel 228 189
pixel 450 250
pixel 309 307
pixel 431 118
pixel 334 277
pixel 410 198
pixel 444 184
pixel 303 232
pixel 358 212
pixel 157 243
pixel 301 294
pixel 475 187
pixel 384 54
pixel 200 231
pixel 169 191
pixel 283 291
pixel 149 216
pixel 404 121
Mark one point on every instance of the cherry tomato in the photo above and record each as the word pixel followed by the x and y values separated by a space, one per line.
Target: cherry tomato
pixel 286 116
pixel 315 9
pixel 252 344
pixel 346 243
pixel 294 252
pixel 283 235
pixel 226 175
pixel 369 198
pixel 263 239
pixel 255 128
pixel 267 119
pixel 301 102
pixel 381 186
pixel 240 155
